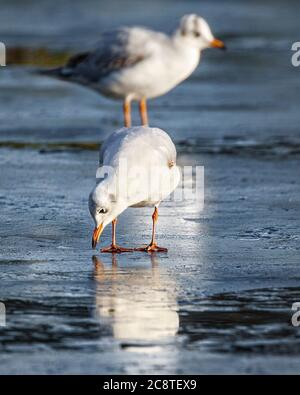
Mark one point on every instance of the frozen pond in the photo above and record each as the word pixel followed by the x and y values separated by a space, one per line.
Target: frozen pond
pixel 220 300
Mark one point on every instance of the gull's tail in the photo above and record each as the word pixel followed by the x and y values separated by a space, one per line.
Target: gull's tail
pixel 67 71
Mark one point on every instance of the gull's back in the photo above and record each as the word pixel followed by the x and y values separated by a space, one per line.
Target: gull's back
pixel 141 145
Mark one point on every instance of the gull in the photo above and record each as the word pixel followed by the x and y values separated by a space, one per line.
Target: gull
pixel 137 169
pixel 135 63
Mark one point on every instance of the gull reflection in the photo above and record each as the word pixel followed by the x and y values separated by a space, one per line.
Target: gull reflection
pixel 139 304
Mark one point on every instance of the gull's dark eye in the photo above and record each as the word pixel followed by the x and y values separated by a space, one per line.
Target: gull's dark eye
pixel 197 34
pixel 101 211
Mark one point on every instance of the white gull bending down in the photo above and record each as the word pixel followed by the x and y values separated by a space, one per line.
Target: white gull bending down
pixel 135 63
pixel 140 167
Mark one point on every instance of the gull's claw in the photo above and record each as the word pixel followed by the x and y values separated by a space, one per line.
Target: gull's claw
pixel 152 248
pixel 115 249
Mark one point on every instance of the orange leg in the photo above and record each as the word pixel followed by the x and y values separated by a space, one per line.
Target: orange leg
pixel 153 247
pixel 144 111
pixel 114 248
pixel 127 112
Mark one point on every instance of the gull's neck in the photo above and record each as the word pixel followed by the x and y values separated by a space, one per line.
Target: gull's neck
pixel 177 38
pixel 184 44
pixel 187 55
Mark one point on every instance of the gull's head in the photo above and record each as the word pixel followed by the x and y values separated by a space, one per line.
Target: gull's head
pixel 104 208
pixel 196 32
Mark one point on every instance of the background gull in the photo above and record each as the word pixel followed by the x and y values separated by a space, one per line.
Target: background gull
pixel 151 175
pixel 134 63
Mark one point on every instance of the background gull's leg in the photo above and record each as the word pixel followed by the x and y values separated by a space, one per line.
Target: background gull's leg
pixel 143 111
pixel 127 112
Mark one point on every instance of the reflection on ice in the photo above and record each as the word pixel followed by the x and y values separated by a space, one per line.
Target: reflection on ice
pixel 139 305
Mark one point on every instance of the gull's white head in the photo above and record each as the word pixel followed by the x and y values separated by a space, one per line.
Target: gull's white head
pixel 197 33
pixel 104 207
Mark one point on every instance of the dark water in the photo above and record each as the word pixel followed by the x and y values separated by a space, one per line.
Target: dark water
pixel 221 299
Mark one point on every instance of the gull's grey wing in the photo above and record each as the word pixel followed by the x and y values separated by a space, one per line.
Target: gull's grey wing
pixel 117 49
